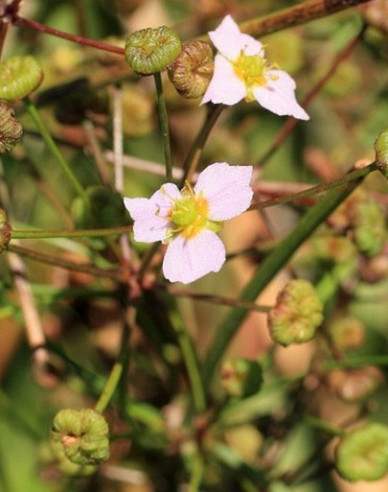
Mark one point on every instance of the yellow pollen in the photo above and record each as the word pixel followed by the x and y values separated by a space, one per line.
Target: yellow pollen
pixel 189 213
pixel 250 69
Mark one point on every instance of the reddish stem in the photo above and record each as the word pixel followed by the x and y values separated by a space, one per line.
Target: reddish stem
pixel 291 122
pixel 296 15
pixel 3 33
pixel 100 45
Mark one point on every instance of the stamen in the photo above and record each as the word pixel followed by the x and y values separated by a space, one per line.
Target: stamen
pixel 251 69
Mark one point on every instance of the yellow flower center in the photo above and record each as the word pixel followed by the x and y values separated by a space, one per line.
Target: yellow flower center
pixel 190 213
pixel 251 70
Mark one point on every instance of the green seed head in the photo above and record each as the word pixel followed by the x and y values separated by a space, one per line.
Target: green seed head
pixel 10 129
pixel 151 50
pixel 363 453
pixel 297 313
pixel 192 70
pixel 81 435
pixel 19 76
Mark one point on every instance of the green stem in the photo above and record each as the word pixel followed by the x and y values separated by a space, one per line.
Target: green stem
pixel 224 301
pixel 197 474
pixel 331 280
pixel 140 411
pixel 116 373
pixel 110 387
pixel 314 190
pixel 323 426
pixel 268 269
pixel 192 367
pixel 192 159
pixel 33 112
pixel 20 234
pixel 356 361
pixel 162 109
pixel 61 263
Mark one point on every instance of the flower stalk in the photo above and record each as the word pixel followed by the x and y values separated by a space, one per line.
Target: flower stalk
pixel 115 375
pixel 192 160
pixel 163 118
pixel 46 234
pixel 294 16
pixel 35 116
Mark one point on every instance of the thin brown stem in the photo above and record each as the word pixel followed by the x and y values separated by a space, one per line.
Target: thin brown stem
pixel 59 262
pixel 3 32
pixel 315 190
pixel 298 14
pixel 32 322
pixel 225 301
pixel 291 122
pixel 195 152
pixel 100 45
pixel 33 325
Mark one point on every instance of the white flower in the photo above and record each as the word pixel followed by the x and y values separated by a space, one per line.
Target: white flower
pixel 241 71
pixel 188 220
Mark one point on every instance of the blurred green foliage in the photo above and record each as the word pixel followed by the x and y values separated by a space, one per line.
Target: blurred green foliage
pixel 244 442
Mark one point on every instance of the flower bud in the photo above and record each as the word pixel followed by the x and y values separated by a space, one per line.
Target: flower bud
pixel 10 128
pixel 370 232
pixel 19 76
pixel 83 436
pixel 363 453
pixel 297 313
pixel 356 384
pixel 241 377
pixel 5 231
pixel 152 50
pixel 192 70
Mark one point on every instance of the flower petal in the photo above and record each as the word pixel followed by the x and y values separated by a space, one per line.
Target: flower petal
pixel 187 260
pixel 225 87
pixel 229 40
pixel 278 95
pixel 163 199
pixel 148 227
pixel 226 188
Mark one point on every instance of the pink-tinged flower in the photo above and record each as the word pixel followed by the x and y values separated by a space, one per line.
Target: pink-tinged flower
pixel 188 220
pixel 241 71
